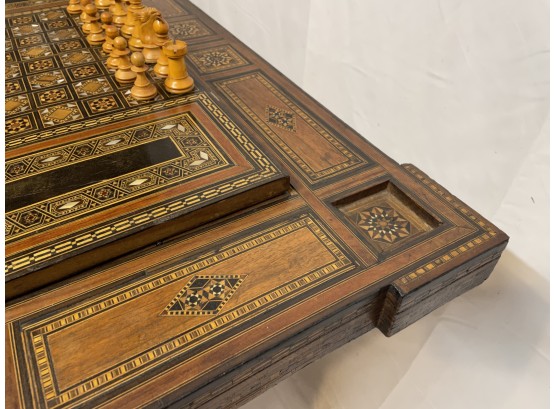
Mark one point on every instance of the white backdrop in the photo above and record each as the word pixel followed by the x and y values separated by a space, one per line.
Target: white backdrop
pixel 460 89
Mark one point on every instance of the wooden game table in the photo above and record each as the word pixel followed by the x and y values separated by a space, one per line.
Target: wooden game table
pixel 193 250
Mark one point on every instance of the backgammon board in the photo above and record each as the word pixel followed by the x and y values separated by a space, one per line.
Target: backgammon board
pixel 193 250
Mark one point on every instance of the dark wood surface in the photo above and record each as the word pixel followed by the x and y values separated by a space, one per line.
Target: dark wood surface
pixel 227 306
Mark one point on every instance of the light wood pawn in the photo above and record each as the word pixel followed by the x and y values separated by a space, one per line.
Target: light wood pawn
pixel 74 7
pixel 178 80
pixel 84 17
pixel 142 89
pixel 103 5
pixel 105 19
pixel 119 13
pixel 111 32
pixel 135 6
pixel 113 60
pixel 96 34
pixel 161 29
pixel 124 75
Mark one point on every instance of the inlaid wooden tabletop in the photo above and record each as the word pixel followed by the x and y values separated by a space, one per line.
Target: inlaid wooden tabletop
pixel 300 234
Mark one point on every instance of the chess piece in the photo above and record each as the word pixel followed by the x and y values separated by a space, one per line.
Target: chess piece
pixel 161 29
pixel 103 5
pixel 96 33
pixel 113 60
pixel 111 32
pixel 106 19
pixel 84 17
pixel 145 31
pixel 124 75
pixel 178 80
pixel 142 89
pixel 143 19
pixel 119 13
pixel 135 6
pixel 74 7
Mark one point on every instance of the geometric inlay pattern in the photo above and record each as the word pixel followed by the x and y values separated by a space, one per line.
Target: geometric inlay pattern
pixel 13 87
pixel 46 79
pixel 76 57
pixel 50 15
pixel 70 45
pixel 12 71
pixel 217 59
pixel 92 87
pixel 64 34
pixel 30 40
pixel 42 50
pixel 84 71
pixel 51 96
pixel 170 348
pixel 102 104
pixel 204 295
pixel 16 21
pixel 192 148
pixel 18 125
pixel 60 114
pixel 198 156
pixel 383 224
pixel 281 118
pixel 53 25
pixel 17 104
pixel 189 29
pixel 41 65
pixel 27 29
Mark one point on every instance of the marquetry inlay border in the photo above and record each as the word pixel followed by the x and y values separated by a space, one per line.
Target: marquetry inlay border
pixel 353 160
pixel 199 155
pixel 264 170
pixel 488 231
pixel 35 334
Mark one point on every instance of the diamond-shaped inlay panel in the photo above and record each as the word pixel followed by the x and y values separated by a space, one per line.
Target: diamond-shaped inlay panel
pixel 26 29
pixel 46 79
pixel 76 57
pixel 60 114
pixel 17 104
pixel 383 224
pixel 37 51
pixel 281 118
pixel 204 295
pixel 90 87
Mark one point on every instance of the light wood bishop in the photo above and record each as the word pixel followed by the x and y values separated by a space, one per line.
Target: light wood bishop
pixel 119 13
pixel 135 6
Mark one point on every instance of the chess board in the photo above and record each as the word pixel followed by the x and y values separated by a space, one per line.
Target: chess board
pixel 56 83
pixel 76 182
pixel 301 234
